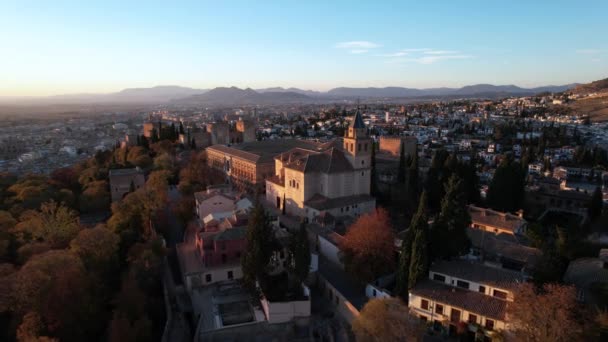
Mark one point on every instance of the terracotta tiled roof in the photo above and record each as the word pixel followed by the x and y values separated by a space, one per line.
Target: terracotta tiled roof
pixel 475 302
pixel 331 160
pixel 489 217
pixel 479 273
pixel 503 248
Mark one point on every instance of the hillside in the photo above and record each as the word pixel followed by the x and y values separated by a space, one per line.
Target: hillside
pixel 235 96
pixel 593 101
pixel 593 87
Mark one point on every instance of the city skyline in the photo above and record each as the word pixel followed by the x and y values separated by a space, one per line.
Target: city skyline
pixel 65 48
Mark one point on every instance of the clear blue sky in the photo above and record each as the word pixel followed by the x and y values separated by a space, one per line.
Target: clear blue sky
pixel 57 47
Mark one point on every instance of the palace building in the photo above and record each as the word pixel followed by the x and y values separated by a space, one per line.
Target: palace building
pixel 333 177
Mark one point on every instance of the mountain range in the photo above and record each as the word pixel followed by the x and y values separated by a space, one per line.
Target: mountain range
pixel 227 96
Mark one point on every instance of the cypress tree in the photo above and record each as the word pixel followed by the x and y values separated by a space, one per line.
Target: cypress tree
pixel 506 191
pixel 595 204
pixel 419 258
pixel 181 128
pixel 402 165
pixel 299 251
pixel 412 180
pixel 260 241
pixel 405 257
pixel 374 178
pixel 449 234
pixel 284 205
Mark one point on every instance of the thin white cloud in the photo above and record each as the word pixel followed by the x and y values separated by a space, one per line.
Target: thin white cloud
pixel 394 54
pixel 588 51
pixel 416 50
pixel 440 52
pixel 428 59
pixel 357 47
pixel 437 58
pixel 423 56
pixel 359 44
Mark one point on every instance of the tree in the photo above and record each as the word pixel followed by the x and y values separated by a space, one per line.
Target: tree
pixel 95 197
pixel 31 328
pixel 374 175
pixel 259 250
pixel 54 224
pixel 506 191
pixel 55 286
pixel 299 253
pixel 419 263
pixel 402 165
pixel 387 319
pixel 596 204
pixel 412 181
pixel 365 257
pixel 449 232
pixel 284 210
pixel 418 222
pixel 97 247
pixel 553 316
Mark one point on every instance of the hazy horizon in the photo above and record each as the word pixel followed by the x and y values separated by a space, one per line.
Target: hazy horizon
pixel 70 47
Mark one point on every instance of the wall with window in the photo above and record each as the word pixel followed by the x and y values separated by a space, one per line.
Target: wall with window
pixel 446 314
pixel 214 275
pixel 486 289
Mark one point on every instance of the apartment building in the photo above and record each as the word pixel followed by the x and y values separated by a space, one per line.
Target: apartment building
pixel 465 294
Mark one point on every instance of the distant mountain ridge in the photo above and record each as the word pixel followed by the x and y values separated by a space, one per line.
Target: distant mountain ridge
pixel 471 90
pixel 237 96
pixel 277 95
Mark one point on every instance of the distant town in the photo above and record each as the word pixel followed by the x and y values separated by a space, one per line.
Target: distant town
pixel 360 218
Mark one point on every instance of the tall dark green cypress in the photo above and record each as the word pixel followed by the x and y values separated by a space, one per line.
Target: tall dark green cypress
pixel 405 257
pixel 402 165
pixel 374 176
pixel 449 232
pixel 299 250
pixel 260 240
pixel 419 260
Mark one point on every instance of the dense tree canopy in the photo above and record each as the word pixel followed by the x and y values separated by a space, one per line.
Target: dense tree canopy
pixel 548 314
pixel 506 191
pixel 365 257
pixel 387 319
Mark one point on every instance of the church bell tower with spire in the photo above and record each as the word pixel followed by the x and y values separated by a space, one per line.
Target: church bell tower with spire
pixel 357 148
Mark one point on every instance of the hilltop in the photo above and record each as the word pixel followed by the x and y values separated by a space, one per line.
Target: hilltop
pixel 592 100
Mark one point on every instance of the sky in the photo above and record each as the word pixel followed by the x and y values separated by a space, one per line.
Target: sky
pixel 61 47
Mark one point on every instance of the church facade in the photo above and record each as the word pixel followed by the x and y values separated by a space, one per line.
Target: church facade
pixel 333 177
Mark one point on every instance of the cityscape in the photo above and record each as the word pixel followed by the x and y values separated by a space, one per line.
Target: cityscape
pixel 315 174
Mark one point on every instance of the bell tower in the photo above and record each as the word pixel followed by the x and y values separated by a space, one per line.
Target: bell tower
pixel 357 144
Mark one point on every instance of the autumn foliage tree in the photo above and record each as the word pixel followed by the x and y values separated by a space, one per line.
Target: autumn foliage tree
pixel 545 314
pixel 368 246
pixel 387 319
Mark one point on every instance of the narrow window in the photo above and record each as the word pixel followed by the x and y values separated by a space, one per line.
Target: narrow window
pixel 439 309
pixel 424 304
pixel 208 278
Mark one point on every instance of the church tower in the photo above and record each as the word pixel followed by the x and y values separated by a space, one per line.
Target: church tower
pixel 358 150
